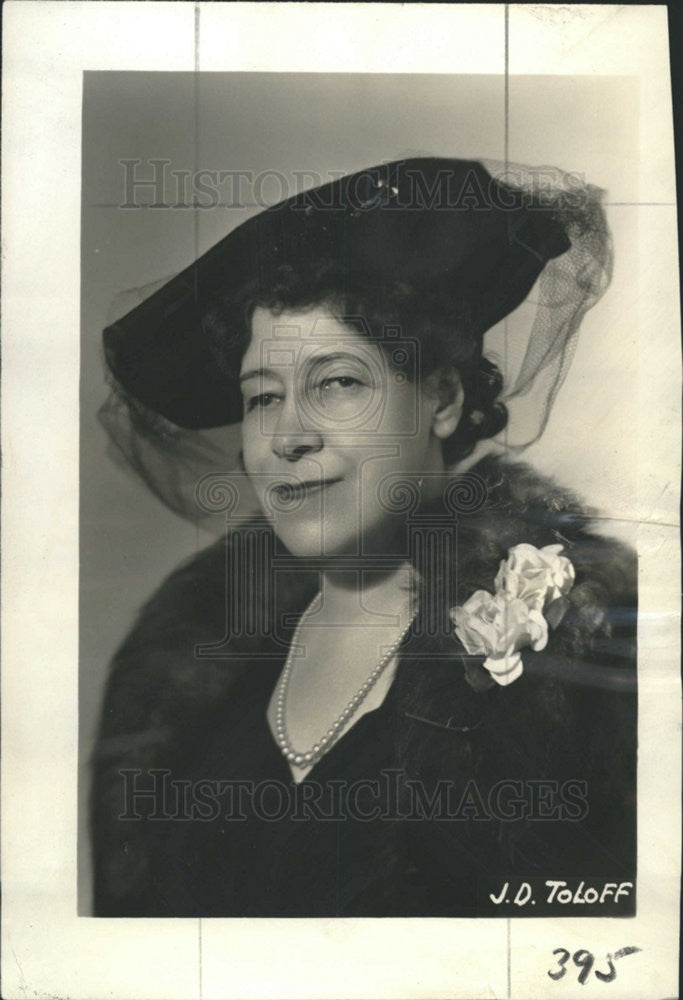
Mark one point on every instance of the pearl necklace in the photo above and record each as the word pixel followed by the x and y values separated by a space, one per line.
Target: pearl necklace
pixel 323 745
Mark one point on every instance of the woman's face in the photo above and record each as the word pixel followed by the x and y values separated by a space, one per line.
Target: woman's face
pixel 329 424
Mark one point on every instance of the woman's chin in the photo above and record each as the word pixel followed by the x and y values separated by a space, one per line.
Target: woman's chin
pixel 316 541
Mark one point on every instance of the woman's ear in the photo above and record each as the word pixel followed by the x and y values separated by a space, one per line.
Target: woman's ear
pixel 450 398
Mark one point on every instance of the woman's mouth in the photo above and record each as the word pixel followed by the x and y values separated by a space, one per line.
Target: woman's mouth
pixel 291 491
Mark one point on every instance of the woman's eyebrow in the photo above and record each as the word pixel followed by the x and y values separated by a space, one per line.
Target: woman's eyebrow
pixel 336 356
pixel 258 373
pixel 310 362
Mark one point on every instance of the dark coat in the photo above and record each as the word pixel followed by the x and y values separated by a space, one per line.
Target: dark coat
pixel 571 717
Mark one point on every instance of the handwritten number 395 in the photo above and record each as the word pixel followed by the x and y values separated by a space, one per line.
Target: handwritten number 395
pixel 585 961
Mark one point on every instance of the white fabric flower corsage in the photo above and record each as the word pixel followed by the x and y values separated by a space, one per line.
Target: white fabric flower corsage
pixel 531 586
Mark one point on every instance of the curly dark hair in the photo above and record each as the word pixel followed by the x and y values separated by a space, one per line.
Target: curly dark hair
pixel 441 329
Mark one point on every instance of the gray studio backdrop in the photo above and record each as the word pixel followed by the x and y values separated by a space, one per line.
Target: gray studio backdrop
pixel 289 130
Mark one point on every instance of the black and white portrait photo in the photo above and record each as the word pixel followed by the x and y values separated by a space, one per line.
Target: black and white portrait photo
pixel 406 677
pixel 376 380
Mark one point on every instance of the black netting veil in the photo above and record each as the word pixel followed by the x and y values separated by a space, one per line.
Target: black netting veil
pixel 567 288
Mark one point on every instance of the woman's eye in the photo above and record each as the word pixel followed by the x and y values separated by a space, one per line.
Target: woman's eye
pixel 261 401
pixel 340 382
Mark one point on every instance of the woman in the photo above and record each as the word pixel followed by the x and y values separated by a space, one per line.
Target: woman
pixel 405 682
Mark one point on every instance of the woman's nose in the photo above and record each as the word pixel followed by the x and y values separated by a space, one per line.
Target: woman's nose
pixel 292 441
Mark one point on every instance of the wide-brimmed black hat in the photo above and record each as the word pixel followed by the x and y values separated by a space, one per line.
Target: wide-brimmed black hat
pixel 443 227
